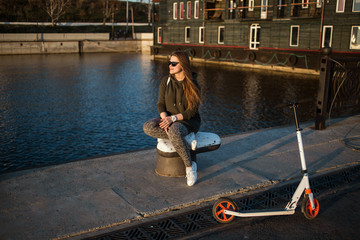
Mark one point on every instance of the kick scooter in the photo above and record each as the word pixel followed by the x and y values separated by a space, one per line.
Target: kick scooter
pixel 225 209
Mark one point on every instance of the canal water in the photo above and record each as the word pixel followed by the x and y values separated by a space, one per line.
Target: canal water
pixel 61 108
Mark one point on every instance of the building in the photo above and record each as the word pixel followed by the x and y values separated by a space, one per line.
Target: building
pixel 286 34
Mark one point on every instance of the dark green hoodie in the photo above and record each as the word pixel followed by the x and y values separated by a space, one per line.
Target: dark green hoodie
pixel 173 101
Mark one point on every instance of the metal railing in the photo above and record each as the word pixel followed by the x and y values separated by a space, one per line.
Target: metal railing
pixel 339 89
pixel 293 10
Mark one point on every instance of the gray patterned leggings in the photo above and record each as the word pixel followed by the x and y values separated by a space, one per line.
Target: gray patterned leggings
pixel 176 134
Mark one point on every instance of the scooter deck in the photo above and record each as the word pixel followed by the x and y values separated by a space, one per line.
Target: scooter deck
pixel 259 213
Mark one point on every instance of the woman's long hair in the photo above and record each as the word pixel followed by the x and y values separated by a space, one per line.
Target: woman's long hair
pixel 192 92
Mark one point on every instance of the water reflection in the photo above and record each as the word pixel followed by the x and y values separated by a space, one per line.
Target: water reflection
pixel 60 108
pixel 237 101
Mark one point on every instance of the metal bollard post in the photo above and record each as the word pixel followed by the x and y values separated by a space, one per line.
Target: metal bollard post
pixel 323 92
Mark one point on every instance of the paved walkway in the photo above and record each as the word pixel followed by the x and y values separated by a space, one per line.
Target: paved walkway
pixel 74 199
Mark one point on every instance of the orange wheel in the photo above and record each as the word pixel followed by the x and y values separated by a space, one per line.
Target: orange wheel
pixel 307 209
pixel 219 207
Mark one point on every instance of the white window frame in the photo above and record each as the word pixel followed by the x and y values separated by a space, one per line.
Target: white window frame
pixel 254 44
pixel 219 34
pixel 291 37
pixel 159 36
pixel 323 35
pixel 318 3
pixel 353 35
pixel 188 10
pixel 251 5
pixel 175 10
pixel 353 8
pixel 182 11
pixel 264 9
pixel 337 6
pixel 196 9
pixel 201 32
pixel 305 3
pixel 187 36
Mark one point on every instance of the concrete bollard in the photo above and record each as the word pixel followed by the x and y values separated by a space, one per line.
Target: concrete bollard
pixel 170 164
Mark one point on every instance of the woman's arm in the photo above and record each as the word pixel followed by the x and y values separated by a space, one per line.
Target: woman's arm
pixel 166 121
pixel 161 100
pixel 179 117
pixel 188 114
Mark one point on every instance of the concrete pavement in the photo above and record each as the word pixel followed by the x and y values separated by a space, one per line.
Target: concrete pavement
pixel 74 199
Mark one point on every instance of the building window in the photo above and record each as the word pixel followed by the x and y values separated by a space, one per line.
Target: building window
pixel 356 6
pixel 182 10
pixel 231 6
pixel 221 34
pixel 187 34
pixel 251 5
pixel 201 34
pixel 197 10
pixel 264 9
pixel 188 10
pixel 281 9
pixel 355 37
pixel 318 3
pixel 254 36
pixel 340 6
pixel 294 36
pixel 175 11
pixel 159 35
pixel 327 36
pixel 305 4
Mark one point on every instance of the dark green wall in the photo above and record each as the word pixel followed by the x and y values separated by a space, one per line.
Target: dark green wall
pixel 275 31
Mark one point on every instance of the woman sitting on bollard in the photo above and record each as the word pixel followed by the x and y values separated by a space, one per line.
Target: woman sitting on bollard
pixel 178 105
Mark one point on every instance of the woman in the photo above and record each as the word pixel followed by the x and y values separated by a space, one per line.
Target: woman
pixel 178 105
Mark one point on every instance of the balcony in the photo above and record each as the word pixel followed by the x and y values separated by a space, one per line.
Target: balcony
pixel 216 10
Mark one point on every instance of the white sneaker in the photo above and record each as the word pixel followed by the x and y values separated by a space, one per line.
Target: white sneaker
pixel 193 145
pixel 191 174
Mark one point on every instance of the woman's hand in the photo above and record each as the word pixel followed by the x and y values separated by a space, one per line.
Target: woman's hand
pixel 163 115
pixel 165 123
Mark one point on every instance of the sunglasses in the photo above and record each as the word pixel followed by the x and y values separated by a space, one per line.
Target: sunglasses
pixel 173 63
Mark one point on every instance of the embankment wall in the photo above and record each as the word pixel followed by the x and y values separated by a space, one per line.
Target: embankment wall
pixel 71 43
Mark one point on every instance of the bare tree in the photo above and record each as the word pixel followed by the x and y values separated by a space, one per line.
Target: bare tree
pixel 107 11
pixel 55 9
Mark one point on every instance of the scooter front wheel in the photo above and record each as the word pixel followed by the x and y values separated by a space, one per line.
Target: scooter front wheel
pixel 307 209
pixel 219 207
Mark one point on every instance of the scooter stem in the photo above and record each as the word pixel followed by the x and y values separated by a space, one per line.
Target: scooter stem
pixel 301 152
pixel 299 139
pixel 302 157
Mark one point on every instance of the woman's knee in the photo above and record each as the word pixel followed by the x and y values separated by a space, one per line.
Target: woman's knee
pixel 177 130
pixel 149 125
